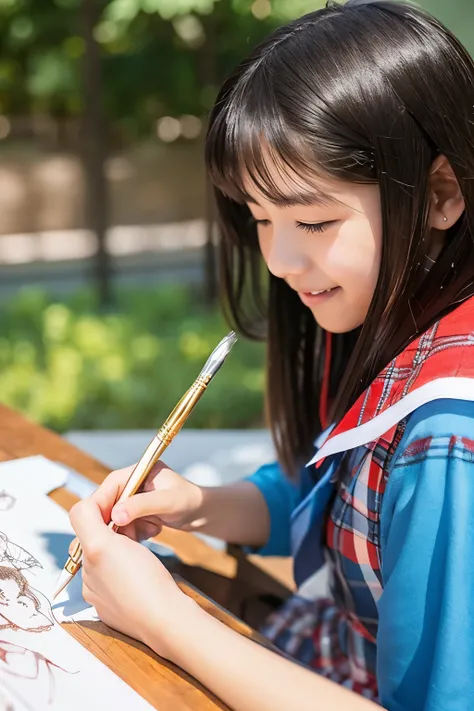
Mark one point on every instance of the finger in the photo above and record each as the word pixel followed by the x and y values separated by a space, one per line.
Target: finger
pixel 148 484
pixel 148 531
pixel 88 524
pixel 155 503
pixel 88 594
pixel 109 491
pixel 131 531
pixel 138 532
pixel 72 546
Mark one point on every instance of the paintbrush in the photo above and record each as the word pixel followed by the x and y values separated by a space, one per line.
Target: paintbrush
pixel 157 446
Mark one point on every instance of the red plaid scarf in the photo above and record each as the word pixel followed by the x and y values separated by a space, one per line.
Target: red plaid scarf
pixel 438 364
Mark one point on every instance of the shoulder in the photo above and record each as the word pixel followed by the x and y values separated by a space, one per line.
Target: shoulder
pixel 440 428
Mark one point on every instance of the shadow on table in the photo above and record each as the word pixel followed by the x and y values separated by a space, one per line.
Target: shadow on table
pixel 57 545
pixel 248 597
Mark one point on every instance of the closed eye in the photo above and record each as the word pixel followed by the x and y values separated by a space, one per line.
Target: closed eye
pixel 254 221
pixel 314 226
pixel 306 226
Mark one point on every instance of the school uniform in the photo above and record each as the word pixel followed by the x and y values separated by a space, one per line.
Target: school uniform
pixel 388 503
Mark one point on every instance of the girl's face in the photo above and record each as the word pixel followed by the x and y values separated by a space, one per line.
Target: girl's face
pixel 19 610
pixel 327 250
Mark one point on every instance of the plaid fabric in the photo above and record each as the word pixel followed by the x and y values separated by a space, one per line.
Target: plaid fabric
pixel 441 352
pixel 337 638
pixel 311 632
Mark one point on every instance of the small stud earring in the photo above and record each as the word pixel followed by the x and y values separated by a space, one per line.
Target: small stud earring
pixel 445 218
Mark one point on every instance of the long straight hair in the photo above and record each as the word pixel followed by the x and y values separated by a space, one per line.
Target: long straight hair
pixel 370 93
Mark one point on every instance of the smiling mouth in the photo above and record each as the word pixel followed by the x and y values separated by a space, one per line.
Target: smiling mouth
pixel 311 298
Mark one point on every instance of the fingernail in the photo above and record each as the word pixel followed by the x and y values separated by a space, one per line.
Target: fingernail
pixel 120 516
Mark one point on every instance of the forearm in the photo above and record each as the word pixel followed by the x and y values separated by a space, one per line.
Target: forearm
pixel 248 677
pixel 236 513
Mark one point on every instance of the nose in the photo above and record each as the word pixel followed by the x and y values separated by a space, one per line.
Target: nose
pixel 284 257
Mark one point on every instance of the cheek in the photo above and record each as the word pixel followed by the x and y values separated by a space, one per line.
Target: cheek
pixel 354 259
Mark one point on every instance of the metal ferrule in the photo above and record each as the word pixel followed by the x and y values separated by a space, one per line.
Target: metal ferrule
pixel 181 412
pixel 72 566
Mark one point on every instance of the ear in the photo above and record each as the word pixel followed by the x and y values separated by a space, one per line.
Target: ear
pixel 447 202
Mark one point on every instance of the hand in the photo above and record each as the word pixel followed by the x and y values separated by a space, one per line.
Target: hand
pixel 128 586
pixel 166 498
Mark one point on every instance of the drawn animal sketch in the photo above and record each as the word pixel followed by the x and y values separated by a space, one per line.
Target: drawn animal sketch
pixel 24 610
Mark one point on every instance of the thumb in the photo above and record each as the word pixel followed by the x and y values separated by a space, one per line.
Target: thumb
pixel 88 524
pixel 154 503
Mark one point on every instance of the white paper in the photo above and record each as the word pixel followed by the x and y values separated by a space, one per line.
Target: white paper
pixel 42 668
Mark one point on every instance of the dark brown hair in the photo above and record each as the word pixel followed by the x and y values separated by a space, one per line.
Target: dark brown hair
pixel 371 92
pixel 7 573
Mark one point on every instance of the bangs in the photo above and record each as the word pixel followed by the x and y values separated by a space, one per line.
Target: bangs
pixel 251 145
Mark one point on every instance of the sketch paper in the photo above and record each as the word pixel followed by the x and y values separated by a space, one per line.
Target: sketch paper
pixel 42 668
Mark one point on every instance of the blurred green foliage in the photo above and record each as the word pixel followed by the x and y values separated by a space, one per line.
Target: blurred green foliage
pixel 69 367
pixel 160 57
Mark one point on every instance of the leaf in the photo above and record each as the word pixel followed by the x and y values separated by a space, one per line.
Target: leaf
pixel 15 555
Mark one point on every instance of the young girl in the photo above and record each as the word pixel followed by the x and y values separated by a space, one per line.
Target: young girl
pixel 342 152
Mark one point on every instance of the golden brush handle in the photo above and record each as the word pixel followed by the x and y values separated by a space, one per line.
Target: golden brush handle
pixel 163 438
pixel 152 454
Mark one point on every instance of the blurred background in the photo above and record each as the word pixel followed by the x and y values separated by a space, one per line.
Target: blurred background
pixel 107 263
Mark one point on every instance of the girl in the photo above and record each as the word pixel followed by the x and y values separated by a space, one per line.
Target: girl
pixel 342 152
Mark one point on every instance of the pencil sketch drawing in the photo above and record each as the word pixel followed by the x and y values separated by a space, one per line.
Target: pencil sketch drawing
pixel 42 666
pixel 16 556
pixel 24 611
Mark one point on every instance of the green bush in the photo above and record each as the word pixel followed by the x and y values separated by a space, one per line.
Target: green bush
pixel 68 366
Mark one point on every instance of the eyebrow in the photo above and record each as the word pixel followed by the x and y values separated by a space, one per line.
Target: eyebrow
pixel 298 199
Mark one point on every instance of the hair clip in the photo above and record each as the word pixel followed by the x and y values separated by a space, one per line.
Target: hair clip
pixel 370 161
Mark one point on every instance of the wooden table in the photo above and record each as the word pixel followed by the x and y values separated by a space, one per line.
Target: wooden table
pixel 166 687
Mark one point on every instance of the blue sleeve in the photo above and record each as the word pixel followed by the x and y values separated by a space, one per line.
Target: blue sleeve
pixel 425 645
pixel 281 496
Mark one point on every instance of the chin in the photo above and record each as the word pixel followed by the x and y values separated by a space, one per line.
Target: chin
pixel 335 325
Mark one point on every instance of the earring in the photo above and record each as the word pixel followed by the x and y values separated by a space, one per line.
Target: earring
pixel 445 218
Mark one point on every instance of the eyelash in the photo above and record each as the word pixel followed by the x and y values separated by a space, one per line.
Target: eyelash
pixel 311 227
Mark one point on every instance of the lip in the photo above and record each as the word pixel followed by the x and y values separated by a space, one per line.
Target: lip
pixel 313 299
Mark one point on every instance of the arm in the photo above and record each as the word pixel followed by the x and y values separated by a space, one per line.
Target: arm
pixel 426 630
pixel 236 513
pixel 255 512
pixel 246 676
pixel 134 593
